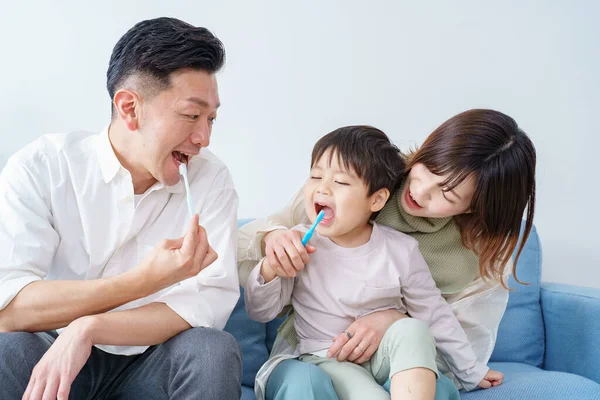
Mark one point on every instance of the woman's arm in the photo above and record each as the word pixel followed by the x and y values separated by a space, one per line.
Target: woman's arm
pixel 253 237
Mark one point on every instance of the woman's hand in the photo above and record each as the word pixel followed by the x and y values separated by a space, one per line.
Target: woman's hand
pixel 285 253
pixel 492 378
pixel 362 338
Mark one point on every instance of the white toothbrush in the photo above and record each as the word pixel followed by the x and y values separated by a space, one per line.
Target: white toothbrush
pixel 190 203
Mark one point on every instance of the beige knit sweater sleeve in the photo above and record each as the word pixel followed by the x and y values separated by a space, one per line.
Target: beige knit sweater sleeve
pixel 250 236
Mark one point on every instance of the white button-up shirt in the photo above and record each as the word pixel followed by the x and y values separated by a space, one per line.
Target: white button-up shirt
pixel 68 212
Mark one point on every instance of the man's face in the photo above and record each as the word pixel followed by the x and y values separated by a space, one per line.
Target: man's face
pixel 176 123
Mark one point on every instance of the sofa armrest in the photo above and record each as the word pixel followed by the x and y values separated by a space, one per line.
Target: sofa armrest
pixel 572 324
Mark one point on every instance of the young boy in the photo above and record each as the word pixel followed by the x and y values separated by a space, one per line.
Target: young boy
pixel 361 267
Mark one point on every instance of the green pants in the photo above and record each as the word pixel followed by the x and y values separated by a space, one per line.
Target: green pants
pixel 407 344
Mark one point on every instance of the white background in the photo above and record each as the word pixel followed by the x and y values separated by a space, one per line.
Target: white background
pixel 297 71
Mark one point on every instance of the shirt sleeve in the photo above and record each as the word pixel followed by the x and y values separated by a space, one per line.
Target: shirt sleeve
pixel 264 301
pixel 425 302
pixel 209 298
pixel 250 235
pixel 28 240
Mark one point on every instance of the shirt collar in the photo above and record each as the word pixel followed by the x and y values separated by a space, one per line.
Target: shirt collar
pixel 107 159
pixel 110 165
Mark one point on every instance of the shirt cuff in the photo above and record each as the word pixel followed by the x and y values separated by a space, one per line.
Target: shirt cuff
pixel 10 288
pixel 470 380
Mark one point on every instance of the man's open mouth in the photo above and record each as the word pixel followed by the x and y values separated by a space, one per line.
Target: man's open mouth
pixel 181 157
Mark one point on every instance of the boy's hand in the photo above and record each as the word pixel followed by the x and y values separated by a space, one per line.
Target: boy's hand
pixel 492 378
pixel 285 253
pixel 266 271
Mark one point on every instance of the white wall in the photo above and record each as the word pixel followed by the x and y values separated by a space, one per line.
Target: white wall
pixel 297 71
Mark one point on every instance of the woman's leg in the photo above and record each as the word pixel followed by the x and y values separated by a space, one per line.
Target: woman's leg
pixel 351 381
pixel 294 379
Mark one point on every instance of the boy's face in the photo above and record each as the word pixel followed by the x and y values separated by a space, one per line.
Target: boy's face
pixel 343 196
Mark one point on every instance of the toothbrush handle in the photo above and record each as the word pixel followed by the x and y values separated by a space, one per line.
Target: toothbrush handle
pixel 307 236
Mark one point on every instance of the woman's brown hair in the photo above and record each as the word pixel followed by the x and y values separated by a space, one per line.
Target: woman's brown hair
pixel 491 147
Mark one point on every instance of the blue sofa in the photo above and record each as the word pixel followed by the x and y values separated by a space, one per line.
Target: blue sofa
pixel 548 343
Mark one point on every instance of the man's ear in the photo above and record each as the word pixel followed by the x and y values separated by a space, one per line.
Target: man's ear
pixel 378 199
pixel 127 103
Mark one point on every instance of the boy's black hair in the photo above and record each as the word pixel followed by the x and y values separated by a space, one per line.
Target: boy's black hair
pixel 368 152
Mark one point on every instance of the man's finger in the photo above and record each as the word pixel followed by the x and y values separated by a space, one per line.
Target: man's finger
pixel 190 238
pixel 38 389
pixel 211 257
pixel 29 389
pixel 485 384
pixel 63 390
pixel 202 246
pixel 50 390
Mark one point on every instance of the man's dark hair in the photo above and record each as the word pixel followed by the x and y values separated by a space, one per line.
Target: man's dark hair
pixel 366 150
pixel 155 48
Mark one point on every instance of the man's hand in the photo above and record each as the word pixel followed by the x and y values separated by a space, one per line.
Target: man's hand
pixel 492 378
pixel 285 253
pixel 362 338
pixel 173 261
pixel 55 372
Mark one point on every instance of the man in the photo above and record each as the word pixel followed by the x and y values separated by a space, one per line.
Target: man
pixel 81 222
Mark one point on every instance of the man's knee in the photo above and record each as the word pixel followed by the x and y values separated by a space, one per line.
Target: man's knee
pixel 16 347
pixel 206 348
pixel 19 353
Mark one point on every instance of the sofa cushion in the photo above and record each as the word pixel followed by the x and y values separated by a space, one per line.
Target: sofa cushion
pixel 572 323
pixel 525 382
pixel 521 331
pixel 251 336
pixel 247 393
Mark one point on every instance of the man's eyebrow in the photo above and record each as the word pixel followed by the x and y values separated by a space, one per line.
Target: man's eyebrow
pixel 201 102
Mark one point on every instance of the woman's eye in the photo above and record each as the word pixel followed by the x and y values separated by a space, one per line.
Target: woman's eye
pixel 193 117
pixel 315 177
pixel 447 199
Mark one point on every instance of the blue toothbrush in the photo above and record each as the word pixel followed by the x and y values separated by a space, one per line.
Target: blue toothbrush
pixel 190 203
pixel 310 232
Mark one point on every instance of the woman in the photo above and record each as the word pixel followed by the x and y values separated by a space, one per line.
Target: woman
pixel 463 198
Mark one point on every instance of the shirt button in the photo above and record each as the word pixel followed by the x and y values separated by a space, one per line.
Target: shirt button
pixel 127 199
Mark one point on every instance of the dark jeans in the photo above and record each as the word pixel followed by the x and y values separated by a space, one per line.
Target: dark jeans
pixel 199 363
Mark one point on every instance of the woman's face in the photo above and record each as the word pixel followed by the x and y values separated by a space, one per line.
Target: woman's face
pixel 424 196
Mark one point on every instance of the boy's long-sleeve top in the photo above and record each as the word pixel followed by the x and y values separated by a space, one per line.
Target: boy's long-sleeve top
pixel 340 285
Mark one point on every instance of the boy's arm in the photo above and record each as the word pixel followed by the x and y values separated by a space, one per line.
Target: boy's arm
pixel 266 294
pixel 424 301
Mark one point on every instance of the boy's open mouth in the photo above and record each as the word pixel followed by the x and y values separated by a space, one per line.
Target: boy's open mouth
pixel 329 212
